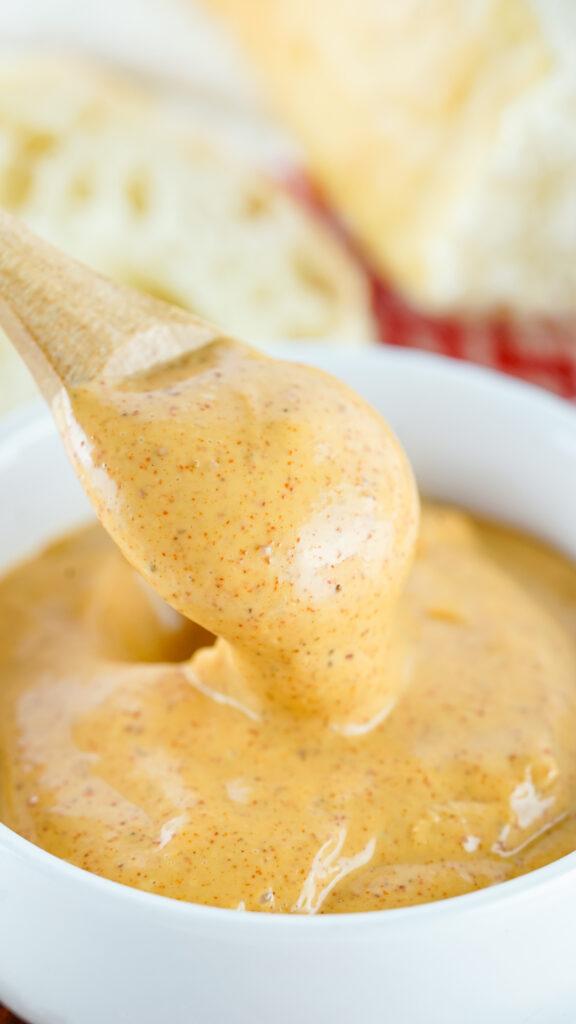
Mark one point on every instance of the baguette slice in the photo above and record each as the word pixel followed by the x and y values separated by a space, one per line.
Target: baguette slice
pixel 103 169
pixel 443 130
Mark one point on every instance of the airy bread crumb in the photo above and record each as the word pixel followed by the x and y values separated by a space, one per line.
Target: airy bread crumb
pixel 101 167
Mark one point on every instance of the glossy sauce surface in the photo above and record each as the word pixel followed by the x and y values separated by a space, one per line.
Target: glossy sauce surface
pixel 125 749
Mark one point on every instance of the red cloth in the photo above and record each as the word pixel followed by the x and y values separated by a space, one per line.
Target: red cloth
pixel 539 350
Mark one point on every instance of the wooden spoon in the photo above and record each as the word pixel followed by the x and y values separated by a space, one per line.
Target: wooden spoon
pixel 262 499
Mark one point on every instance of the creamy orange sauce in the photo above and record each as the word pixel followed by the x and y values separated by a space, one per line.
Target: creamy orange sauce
pixel 135 767
pixel 378 723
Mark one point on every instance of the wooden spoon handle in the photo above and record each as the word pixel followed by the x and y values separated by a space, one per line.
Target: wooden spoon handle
pixel 69 323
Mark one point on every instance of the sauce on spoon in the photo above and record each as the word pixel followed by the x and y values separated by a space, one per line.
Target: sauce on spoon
pixel 267 502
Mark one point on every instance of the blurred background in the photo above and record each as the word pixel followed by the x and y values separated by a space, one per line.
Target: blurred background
pixel 352 173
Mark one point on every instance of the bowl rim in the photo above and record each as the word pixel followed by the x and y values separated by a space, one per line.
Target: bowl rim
pixel 31 417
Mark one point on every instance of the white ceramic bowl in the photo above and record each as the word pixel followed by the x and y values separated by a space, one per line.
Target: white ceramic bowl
pixel 77 949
